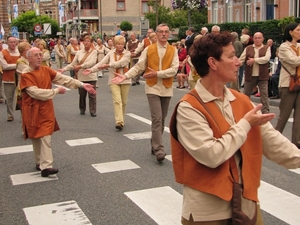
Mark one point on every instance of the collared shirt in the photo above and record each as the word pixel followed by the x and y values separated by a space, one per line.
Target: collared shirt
pixel 195 134
pixel 258 60
pixel 88 62
pixel 157 89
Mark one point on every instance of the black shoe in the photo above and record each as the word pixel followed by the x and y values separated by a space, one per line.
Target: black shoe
pixel 160 156
pixel 274 97
pixel 49 171
pixel 138 83
pixel 119 126
pixel 133 84
pixel 82 112
pixel 93 114
pixel 37 167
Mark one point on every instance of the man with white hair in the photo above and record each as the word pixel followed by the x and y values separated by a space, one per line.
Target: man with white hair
pixel 204 31
pixel 215 29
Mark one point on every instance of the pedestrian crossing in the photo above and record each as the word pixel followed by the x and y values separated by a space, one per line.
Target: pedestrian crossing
pixel 163 209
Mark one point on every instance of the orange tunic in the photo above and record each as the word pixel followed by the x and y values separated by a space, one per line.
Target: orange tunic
pixel 38 117
pixel 8 75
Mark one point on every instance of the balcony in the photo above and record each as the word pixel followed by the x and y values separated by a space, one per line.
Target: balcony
pixel 84 14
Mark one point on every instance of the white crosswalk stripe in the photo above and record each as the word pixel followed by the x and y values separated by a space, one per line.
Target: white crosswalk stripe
pixel 164 209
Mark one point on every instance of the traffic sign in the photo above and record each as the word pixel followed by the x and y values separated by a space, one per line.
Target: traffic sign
pixel 14 29
pixel 14 32
pixel 38 28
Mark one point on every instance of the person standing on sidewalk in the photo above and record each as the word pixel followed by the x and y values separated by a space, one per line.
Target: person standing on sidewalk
pixel 256 60
pixel 160 63
pixel 8 60
pixel 38 118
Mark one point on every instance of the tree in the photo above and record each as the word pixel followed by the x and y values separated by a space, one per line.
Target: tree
pixel 26 22
pixel 164 16
pixel 126 26
pixel 190 6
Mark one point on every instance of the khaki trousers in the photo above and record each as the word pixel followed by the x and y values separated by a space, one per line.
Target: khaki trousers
pixel 259 220
pixel 158 110
pixel 42 151
pixel 120 96
pixel 9 91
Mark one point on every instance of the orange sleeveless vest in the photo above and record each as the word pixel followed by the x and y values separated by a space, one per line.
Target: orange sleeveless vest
pixel 153 62
pixel 8 75
pixel 218 181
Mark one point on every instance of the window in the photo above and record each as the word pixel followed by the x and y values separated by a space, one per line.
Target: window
pixel 248 13
pixel 145 6
pixel 229 14
pixel 120 4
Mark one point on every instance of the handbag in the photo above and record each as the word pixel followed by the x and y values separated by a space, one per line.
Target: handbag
pixel 294 81
pixel 244 211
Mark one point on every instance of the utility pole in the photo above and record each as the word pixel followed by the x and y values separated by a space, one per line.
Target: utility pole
pixel 156 12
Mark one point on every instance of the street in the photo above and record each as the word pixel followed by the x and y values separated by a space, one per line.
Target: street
pixel 108 176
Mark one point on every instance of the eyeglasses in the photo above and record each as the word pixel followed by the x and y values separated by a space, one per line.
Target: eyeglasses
pixel 163 31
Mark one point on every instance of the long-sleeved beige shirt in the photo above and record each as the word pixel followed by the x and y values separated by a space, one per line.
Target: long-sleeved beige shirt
pixel 258 60
pixel 157 89
pixel 88 62
pixel 46 94
pixel 141 46
pixel 195 134
pixel 290 61
pixel 59 51
pixel 114 65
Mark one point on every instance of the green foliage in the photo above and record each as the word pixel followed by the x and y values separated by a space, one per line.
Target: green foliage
pixel 164 16
pixel 270 28
pixel 126 26
pixel 26 21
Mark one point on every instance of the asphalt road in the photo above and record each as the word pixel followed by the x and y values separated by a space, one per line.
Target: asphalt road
pixel 115 197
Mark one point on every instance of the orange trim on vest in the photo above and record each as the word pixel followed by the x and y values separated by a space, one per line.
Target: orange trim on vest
pixel 218 181
pixel 125 69
pixel 153 63
pixel 8 75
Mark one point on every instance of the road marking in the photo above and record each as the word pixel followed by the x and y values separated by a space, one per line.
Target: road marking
pixel 84 141
pixel 279 203
pixel 63 213
pixel 138 136
pixel 144 120
pixel 169 157
pixel 27 178
pixel 115 166
pixel 295 170
pixel 16 149
pixel 291 120
pixel 162 204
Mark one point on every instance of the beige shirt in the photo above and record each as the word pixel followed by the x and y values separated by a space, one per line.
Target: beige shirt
pixel 113 65
pixel 141 47
pixel 46 94
pixel 195 134
pixel 88 62
pixel 258 60
pixel 289 60
pixel 59 51
pixel 157 89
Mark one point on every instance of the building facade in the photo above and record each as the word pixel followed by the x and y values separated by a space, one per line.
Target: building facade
pixel 104 16
pixel 101 16
pixel 221 11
